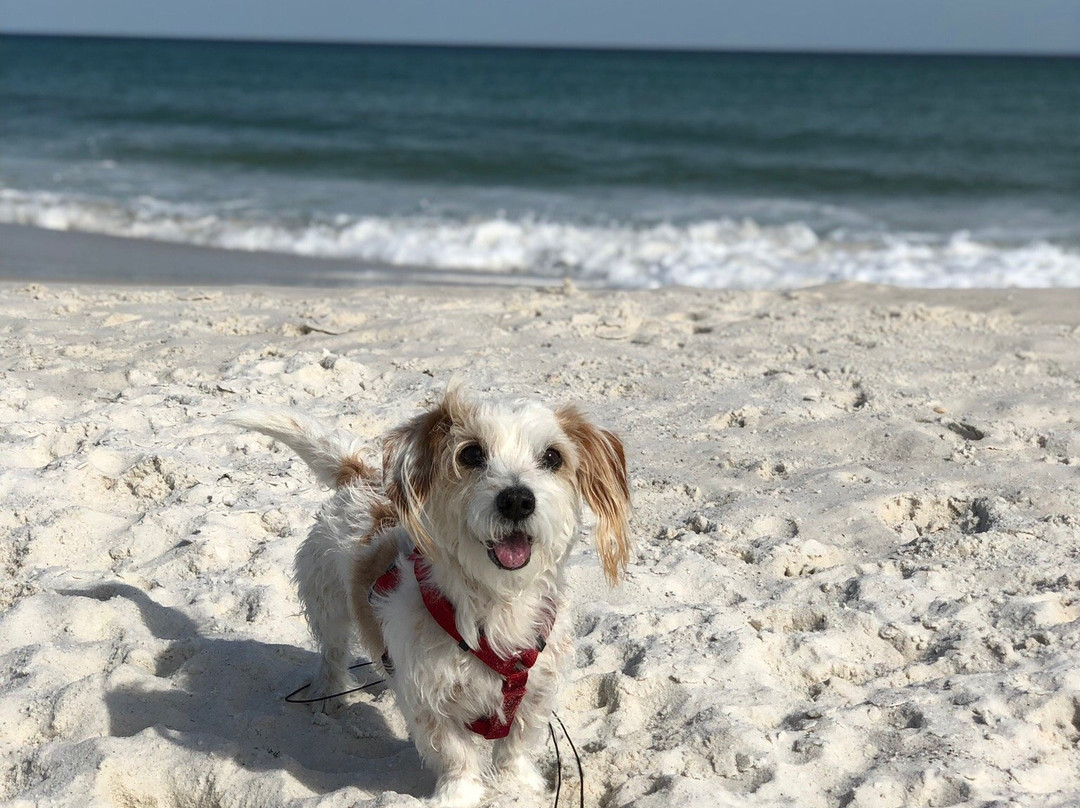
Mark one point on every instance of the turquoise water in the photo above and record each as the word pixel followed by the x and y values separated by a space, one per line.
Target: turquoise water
pixel 630 168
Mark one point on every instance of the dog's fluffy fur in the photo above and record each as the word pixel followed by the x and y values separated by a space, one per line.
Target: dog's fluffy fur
pixel 432 493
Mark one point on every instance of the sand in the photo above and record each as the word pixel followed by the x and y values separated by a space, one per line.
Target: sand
pixel 857 574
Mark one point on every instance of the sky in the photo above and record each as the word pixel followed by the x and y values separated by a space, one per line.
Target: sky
pixel 996 26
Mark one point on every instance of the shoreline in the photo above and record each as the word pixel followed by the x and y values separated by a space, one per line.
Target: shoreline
pixel 36 254
pixel 31 254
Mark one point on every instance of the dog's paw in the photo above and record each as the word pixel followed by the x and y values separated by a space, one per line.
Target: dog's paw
pixel 327 683
pixel 457 792
pixel 522 772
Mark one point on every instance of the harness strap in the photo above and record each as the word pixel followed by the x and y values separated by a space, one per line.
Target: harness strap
pixel 514 670
pixel 386 583
pixel 383 586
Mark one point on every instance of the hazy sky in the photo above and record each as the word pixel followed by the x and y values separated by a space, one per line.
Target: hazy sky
pixel 1027 26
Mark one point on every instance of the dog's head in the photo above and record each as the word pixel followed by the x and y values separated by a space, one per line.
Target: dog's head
pixel 498 486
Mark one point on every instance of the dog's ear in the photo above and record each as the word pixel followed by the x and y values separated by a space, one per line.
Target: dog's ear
pixel 601 478
pixel 411 456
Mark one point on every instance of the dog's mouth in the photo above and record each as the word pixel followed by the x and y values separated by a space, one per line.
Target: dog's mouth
pixel 512 551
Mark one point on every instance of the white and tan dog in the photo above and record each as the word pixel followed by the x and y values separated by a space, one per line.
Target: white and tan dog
pixel 474 515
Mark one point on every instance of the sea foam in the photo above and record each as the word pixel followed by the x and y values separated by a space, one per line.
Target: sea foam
pixel 717 253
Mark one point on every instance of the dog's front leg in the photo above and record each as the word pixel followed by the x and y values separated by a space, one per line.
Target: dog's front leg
pixel 448 749
pixel 514 756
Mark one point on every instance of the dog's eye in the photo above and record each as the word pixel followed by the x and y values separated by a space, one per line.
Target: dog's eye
pixel 472 456
pixel 552 460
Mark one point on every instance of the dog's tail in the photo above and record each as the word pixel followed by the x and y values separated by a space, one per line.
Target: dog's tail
pixel 334 455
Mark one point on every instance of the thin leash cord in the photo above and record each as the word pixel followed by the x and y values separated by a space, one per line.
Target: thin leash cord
pixel 558 765
pixel 291 699
pixel 577 758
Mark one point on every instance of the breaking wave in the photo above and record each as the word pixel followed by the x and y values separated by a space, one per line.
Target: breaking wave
pixel 715 253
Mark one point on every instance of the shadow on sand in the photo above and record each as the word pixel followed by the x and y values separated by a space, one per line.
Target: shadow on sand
pixel 226 697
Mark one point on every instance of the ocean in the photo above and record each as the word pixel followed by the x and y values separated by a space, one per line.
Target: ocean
pixel 614 168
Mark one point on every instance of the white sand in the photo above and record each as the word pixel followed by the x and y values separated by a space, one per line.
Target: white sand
pixel 857 580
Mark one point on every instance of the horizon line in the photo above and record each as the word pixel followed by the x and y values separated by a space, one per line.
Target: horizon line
pixel 539 46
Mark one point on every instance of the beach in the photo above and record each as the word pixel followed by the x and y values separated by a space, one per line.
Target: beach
pixel 857 548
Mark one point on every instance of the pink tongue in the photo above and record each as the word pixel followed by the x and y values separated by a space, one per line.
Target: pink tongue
pixel 514 551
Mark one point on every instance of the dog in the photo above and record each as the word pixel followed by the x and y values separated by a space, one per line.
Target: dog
pixel 449 565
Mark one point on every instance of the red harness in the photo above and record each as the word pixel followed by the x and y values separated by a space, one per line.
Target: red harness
pixel 513 670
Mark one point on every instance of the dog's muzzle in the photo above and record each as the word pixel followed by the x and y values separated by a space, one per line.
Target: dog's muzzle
pixel 513 550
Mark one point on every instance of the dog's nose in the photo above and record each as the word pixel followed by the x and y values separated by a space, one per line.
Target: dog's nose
pixel 516 503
